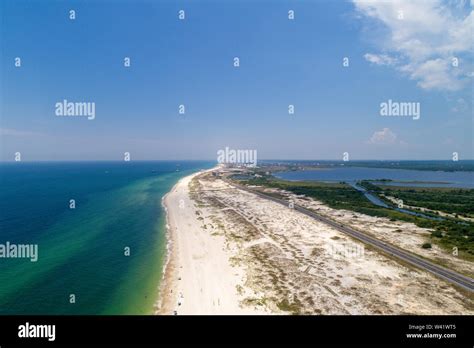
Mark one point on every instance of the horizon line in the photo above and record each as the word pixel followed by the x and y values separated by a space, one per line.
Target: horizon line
pixel 262 160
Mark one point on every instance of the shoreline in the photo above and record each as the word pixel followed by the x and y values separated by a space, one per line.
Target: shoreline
pixel 166 289
pixel 162 286
pixel 199 275
pixel 166 284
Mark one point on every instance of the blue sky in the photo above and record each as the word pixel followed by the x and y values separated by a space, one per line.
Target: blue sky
pixel 190 62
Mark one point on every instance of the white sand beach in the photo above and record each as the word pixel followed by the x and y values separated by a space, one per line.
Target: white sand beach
pixel 199 277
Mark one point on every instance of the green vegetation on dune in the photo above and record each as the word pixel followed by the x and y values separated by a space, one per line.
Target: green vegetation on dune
pixel 448 200
pixel 337 196
pixel 448 233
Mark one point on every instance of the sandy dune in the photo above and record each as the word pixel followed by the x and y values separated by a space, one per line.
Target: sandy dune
pixel 405 235
pixel 233 252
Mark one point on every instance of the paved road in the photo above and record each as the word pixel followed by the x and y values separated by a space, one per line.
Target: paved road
pixel 449 275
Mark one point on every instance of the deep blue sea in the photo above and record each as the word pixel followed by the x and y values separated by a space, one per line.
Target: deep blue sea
pixel 81 251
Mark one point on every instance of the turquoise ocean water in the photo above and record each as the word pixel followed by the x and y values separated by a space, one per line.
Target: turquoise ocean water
pixel 81 250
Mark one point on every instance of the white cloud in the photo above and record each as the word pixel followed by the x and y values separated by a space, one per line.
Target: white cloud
pixel 435 74
pixel 383 137
pixel 423 39
pixel 379 59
